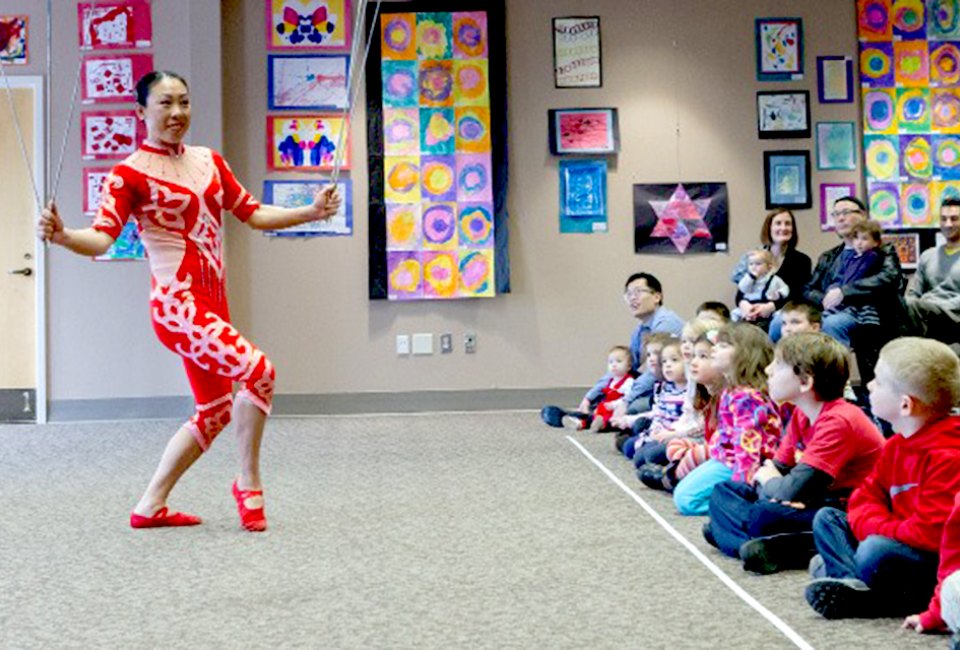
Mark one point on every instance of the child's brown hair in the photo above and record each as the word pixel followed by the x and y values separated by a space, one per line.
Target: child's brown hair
pixel 753 353
pixel 871 228
pixel 816 356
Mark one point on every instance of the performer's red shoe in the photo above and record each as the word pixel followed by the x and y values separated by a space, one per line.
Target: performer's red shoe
pixel 253 519
pixel 162 520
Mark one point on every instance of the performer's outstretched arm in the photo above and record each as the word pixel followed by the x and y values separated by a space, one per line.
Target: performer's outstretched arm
pixel 84 241
pixel 274 217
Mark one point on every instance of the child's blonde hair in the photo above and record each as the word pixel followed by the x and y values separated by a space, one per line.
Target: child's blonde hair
pixel 697 327
pixel 656 338
pixel 753 352
pixel 819 357
pixel 620 348
pixel 925 369
pixel 765 255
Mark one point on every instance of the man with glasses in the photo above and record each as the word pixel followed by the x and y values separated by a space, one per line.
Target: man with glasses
pixel 933 298
pixel 882 290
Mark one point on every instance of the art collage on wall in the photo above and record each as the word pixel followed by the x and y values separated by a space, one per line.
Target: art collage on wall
pixel 308 83
pixel 910 78
pixel 114 37
pixel 14 32
pixel 437 160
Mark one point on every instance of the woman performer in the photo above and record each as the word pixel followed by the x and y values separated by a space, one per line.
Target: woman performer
pixel 177 194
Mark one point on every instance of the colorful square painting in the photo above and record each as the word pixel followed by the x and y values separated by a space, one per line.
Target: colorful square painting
pixel 13 39
pixel 779 46
pixel 874 20
pixel 583 131
pixel 942 20
pixel 308 24
pixel 435 97
pixel 876 64
pixel 106 135
pixel 883 203
pixel 782 115
pixel 946 157
pixel 583 196
pixel 882 157
pixel 880 111
pixel 829 194
pixel 307 81
pixel 680 218
pixel 306 142
pixel 836 145
pixel 911 64
pixel 93 178
pixel 916 160
pixel 915 207
pixel 944 64
pixel 115 24
pixel 112 78
pixel 907 245
pixel 295 194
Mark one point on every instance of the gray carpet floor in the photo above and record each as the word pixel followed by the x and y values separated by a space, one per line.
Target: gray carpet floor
pixel 474 530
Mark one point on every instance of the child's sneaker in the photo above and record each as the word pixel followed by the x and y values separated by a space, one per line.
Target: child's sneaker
pixel 766 555
pixel 841 598
pixel 573 422
pixel 708 535
pixel 651 475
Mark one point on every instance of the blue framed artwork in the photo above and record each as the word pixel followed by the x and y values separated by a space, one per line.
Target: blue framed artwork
pixel 787 179
pixel 583 196
pixel 294 194
pixel 779 45
pixel 836 145
pixel 307 81
pixel 835 79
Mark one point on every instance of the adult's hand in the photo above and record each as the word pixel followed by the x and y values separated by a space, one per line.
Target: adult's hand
pixel 765 310
pixel 50 225
pixel 326 202
pixel 832 298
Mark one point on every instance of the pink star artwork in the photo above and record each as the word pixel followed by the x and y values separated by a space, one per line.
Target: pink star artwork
pixel 680 218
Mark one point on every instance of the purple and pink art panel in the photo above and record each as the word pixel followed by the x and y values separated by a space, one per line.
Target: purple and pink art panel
pixel 405 275
pixel 475 275
pixel 440 274
pixel 469 35
pixel 106 135
pixel 109 78
pixel 474 178
pixel 401 131
pixel 115 24
pixel 440 226
pixel 475 225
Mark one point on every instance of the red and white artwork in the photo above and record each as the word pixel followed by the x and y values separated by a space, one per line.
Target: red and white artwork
pixel 113 77
pixel 115 24
pixel 105 135
pixel 93 178
pixel 13 39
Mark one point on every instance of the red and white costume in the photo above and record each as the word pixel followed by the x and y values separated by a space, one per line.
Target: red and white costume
pixel 613 392
pixel 178 197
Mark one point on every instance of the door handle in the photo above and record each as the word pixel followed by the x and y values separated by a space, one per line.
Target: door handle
pixel 26 271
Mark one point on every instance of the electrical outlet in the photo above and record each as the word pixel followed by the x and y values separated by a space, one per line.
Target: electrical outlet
pixel 423 343
pixel 403 344
pixel 446 343
pixel 469 342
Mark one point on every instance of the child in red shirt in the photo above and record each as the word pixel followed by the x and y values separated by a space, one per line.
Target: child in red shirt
pixel 882 559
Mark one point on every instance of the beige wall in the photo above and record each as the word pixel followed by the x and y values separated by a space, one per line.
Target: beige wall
pixel 665 62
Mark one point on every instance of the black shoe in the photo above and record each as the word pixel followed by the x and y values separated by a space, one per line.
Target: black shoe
pixel 651 476
pixel 841 598
pixel 708 535
pixel 621 438
pixel 766 555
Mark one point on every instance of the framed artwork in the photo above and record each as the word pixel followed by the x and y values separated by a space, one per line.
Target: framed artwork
pixel 829 194
pixel 306 142
pixel 294 194
pixel 779 45
pixel 836 145
pixel 106 135
pixel 308 81
pixel 115 24
pixel 576 52
pixel 835 79
pixel 583 131
pixel 783 115
pixel 787 179
pixel 93 178
pixel 308 24
pixel 112 78
pixel 436 128
pixel 583 196
pixel 13 39
pixel 907 245
pixel 680 218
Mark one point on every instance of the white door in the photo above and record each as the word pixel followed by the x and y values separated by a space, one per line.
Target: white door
pixel 20 271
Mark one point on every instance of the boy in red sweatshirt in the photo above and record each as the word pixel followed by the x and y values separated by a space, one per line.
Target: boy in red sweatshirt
pixel 881 558
pixel 944 610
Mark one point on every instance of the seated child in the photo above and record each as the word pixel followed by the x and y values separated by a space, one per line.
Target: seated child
pixel 632 426
pixel 748 422
pixel 881 558
pixel 865 262
pixel 943 613
pixel 713 310
pixel 800 316
pixel 667 406
pixel 621 379
pixel 760 284
pixel 830 446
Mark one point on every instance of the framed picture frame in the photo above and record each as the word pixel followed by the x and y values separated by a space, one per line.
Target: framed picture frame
pixel 13 50
pixel 583 131
pixel 306 143
pixel 836 145
pixel 830 193
pixel 298 193
pixel 783 114
pixel 835 79
pixel 779 46
pixel 787 179
pixel 583 196
pixel 907 245
pixel 313 82
pixel 309 25
pixel 576 52
pixel 93 179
